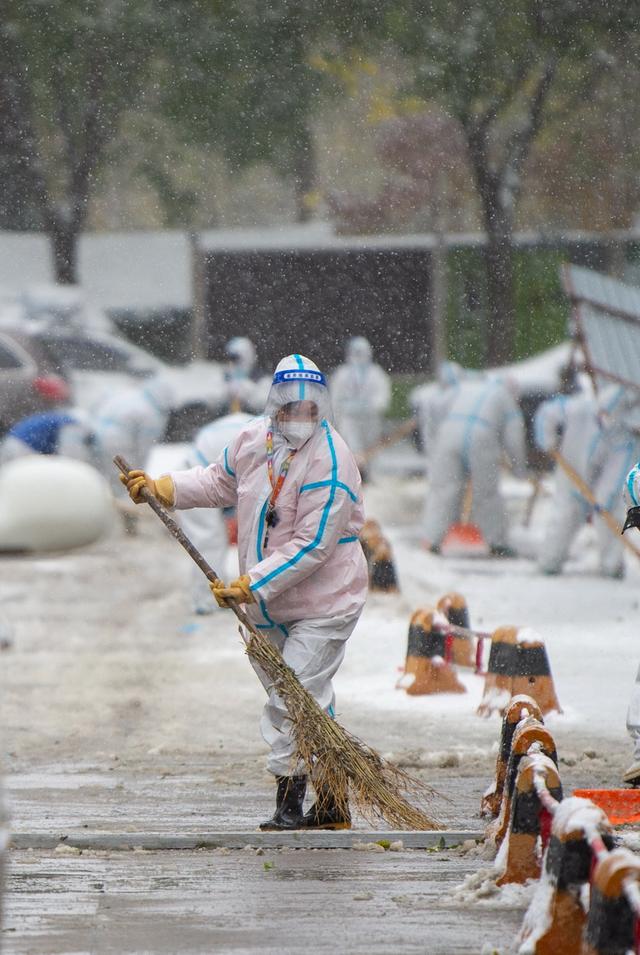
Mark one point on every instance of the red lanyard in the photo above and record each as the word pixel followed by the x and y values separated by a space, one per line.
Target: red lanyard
pixel 271 517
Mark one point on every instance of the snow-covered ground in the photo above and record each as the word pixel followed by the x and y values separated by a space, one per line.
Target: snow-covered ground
pixel 97 628
pixel 121 711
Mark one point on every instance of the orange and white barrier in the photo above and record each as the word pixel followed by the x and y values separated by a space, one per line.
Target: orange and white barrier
pixel 454 607
pixel 519 708
pixel 587 899
pixel 428 665
pixel 377 550
pixel 518 663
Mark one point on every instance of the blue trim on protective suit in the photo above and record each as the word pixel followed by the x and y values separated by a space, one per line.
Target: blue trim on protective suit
pixel 226 464
pixel 611 500
pixel 348 540
pixel 152 401
pixel 631 477
pixel 538 430
pixel 323 520
pixel 301 388
pixel 263 607
pixel 458 415
pixel 473 419
pixel 343 487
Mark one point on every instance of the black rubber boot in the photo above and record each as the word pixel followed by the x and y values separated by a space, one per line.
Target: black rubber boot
pixel 289 800
pixel 324 814
pixel 502 550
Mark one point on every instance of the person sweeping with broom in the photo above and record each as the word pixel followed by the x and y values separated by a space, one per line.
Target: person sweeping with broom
pixel 303 572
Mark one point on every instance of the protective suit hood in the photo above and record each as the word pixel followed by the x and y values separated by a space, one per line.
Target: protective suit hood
pixel 243 352
pixel 297 378
pixel 449 374
pixel 359 350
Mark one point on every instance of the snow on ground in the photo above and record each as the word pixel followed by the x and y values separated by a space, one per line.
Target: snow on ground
pixel 119 709
pixel 589 625
pixel 105 648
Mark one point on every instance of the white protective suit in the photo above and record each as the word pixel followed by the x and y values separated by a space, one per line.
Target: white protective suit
pixel 130 423
pixel 632 499
pixel 596 438
pixel 483 422
pixel 430 404
pixel 69 434
pixel 205 526
pixel 360 394
pixel 245 388
pixel 308 575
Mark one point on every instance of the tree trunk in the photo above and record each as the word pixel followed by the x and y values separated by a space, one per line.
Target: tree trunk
pixel 501 311
pixel 304 170
pixel 64 239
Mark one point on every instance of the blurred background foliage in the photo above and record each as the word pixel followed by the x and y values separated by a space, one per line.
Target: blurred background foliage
pixel 382 116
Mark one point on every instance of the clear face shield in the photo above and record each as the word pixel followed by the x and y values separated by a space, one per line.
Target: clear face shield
pixel 297 403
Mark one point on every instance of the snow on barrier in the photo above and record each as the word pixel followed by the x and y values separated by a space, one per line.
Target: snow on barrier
pixel 52 503
pixel 518 708
pixel 528 821
pixel 454 607
pixel 568 845
pixel 428 665
pixel 518 663
pixel 528 732
pixel 377 550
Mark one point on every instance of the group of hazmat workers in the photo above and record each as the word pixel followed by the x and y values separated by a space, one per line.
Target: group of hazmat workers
pixel 471 424
pixel 293 479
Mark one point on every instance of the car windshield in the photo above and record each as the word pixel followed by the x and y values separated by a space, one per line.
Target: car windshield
pixel 86 354
pixel 8 358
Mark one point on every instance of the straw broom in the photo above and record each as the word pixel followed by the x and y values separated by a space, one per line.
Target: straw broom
pixel 342 767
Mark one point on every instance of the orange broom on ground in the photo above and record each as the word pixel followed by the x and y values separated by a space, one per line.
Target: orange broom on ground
pixel 464 539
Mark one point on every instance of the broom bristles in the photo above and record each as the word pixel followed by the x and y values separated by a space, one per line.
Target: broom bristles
pixel 341 766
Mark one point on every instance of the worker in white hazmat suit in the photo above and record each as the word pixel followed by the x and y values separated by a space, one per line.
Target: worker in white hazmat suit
pixel 205 526
pixel 429 404
pixel 303 571
pixel 568 424
pixel 595 436
pixel 70 434
pixel 360 394
pixel 631 497
pixel 483 423
pixel 245 387
pixel 131 422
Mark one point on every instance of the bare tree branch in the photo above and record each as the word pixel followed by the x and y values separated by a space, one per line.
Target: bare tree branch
pixel 518 144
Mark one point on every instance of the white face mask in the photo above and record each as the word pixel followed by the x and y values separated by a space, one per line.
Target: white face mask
pixel 297 432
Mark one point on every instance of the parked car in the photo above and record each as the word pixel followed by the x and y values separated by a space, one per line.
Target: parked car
pixel 61 306
pixel 99 363
pixel 31 379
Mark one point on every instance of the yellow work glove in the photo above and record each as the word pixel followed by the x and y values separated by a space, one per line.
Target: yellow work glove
pixel 239 590
pixel 162 488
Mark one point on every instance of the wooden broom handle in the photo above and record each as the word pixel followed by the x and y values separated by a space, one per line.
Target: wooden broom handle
pixel 397 434
pixel 589 496
pixel 176 531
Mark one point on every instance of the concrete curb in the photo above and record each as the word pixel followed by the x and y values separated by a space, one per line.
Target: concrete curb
pixel 298 839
